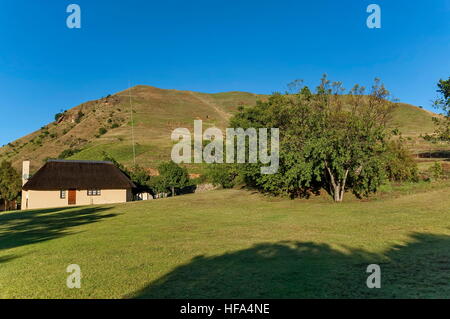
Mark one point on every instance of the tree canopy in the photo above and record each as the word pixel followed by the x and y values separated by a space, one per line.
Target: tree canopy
pixel 10 183
pixel 137 174
pixel 328 140
pixel 172 176
pixel 443 102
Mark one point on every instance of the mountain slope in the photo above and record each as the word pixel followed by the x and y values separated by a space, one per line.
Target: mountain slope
pixel 156 113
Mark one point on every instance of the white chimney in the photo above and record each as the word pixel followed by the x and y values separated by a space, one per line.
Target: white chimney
pixel 25 171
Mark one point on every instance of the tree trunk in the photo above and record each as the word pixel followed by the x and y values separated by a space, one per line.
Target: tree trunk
pixel 337 186
pixel 337 193
pixel 173 191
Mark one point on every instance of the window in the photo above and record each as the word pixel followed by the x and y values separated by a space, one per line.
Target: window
pixel 62 194
pixel 94 192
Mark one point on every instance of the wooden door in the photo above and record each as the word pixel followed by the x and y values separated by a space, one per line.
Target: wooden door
pixel 72 197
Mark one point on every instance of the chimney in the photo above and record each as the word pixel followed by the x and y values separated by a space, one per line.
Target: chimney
pixel 25 171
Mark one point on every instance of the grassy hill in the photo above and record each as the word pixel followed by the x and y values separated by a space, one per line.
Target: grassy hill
pixel 156 112
pixel 232 243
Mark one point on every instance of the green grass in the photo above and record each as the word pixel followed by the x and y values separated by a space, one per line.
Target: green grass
pixel 412 120
pixel 230 244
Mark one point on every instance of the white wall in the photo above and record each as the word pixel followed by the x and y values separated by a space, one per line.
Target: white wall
pixel 51 199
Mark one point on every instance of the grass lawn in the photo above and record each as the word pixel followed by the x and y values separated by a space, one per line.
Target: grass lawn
pixel 232 244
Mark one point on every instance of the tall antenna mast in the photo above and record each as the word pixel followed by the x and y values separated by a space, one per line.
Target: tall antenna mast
pixel 132 125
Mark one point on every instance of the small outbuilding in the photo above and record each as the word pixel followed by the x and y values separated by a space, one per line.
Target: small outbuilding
pixel 65 183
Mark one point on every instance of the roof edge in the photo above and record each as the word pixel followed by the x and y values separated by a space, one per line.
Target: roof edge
pixel 78 161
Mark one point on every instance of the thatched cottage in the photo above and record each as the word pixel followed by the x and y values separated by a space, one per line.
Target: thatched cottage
pixel 63 183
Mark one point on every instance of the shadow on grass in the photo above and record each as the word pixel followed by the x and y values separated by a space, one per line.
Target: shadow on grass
pixel 444 154
pixel 421 268
pixel 4 259
pixel 33 226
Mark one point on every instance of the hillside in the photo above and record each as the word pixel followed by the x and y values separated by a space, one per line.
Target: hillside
pixel 156 112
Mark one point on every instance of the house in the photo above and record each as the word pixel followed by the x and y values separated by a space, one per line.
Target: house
pixel 64 183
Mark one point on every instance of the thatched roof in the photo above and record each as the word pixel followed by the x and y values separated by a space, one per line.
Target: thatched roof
pixel 64 175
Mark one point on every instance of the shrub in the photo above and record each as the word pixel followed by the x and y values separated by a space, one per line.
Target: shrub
pixel 102 131
pixel 436 171
pixel 68 153
pixel 399 164
pixel 79 116
pixel 37 141
pixel 59 115
pixel 224 175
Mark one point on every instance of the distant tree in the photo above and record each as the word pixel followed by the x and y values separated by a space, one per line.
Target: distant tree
pixel 102 131
pixel 137 174
pixel 79 116
pixel 10 183
pixel 59 115
pixel 68 153
pixel 107 157
pixel 141 178
pixel 295 86
pixel 173 176
pixel 158 185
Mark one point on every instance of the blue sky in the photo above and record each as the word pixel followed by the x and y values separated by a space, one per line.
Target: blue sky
pixel 210 46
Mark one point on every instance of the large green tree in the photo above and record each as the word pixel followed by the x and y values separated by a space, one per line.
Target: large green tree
pixel 443 102
pixel 10 183
pixel 327 140
pixel 172 176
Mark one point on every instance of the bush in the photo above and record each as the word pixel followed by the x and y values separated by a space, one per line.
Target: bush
pixel 59 115
pixel 79 116
pixel 37 141
pixel 140 178
pixel 224 175
pixel 436 171
pixel 102 131
pixel 399 164
pixel 157 185
pixel 68 153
